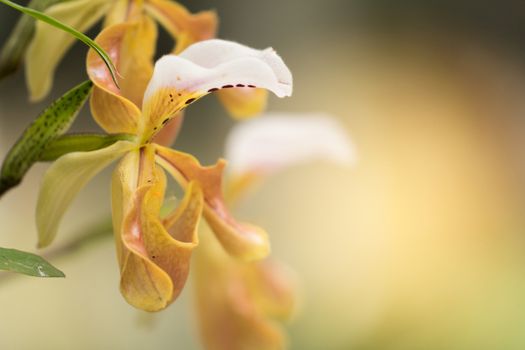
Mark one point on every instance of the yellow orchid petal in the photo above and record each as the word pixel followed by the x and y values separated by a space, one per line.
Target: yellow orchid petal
pixel 272 285
pixel 186 28
pixel 205 67
pixel 154 264
pixel 242 240
pixel 114 113
pixel 131 46
pixel 135 63
pixel 116 14
pixel 169 132
pixel 50 44
pixel 229 315
pixel 122 11
pixel 172 252
pixel 143 284
pixel 243 103
pixel 64 179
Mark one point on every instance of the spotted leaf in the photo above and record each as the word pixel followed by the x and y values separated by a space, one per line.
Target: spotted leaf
pixel 50 124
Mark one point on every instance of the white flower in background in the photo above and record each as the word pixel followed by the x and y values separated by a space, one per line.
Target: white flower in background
pixel 280 140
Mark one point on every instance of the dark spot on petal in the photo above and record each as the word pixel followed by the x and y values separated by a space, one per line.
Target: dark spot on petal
pixel 227 86
pixel 213 89
pixel 190 101
pixel 165 121
pixel 251 86
pixel 240 85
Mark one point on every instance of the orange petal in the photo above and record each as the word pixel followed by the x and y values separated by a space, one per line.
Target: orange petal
pixel 229 315
pixel 136 58
pixel 239 239
pixel 143 284
pixel 273 287
pixel 185 27
pixel 114 113
pixel 243 103
pixel 131 47
pixel 154 264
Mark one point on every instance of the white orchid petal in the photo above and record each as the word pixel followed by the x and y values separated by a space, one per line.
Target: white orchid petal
pixel 64 179
pixel 214 64
pixel 275 141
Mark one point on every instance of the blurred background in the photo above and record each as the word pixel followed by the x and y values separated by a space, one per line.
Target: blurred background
pixel 421 245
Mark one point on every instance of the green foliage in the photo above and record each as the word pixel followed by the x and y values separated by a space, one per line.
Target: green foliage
pixel 50 124
pixel 15 47
pixel 80 143
pixel 80 36
pixel 27 264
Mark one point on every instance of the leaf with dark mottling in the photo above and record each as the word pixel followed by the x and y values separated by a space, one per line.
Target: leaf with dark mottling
pixel 50 124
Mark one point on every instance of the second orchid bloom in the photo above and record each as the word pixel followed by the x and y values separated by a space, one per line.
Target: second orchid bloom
pixel 153 251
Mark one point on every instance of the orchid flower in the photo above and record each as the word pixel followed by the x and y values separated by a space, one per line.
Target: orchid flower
pixel 154 252
pixel 49 45
pixel 242 309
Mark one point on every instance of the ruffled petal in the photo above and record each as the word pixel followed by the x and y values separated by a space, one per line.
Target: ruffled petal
pixel 205 67
pixel 186 28
pixel 243 102
pixel 154 263
pixel 50 44
pixel 242 240
pixel 268 144
pixel 64 179
pixel 131 46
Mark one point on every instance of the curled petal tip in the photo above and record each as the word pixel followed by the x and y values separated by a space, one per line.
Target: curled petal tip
pixel 241 240
pixel 208 66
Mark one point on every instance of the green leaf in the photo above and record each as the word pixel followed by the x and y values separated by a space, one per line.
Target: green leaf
pixel 27 264
pixel 50 124
pixel 80 36
pixel 15 47
pixel 80 143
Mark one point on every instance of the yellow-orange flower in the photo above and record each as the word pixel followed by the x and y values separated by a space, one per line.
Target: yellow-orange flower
pixel 154 253
pixel 49 45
